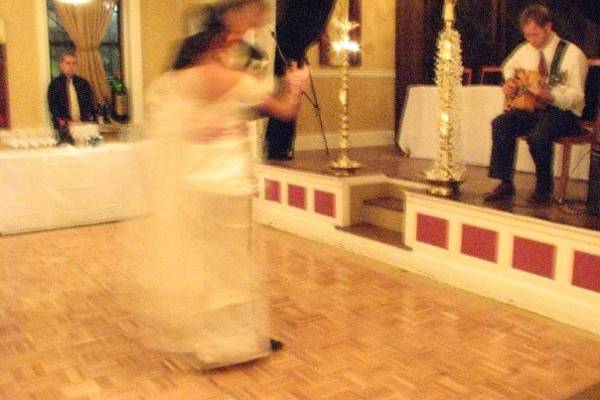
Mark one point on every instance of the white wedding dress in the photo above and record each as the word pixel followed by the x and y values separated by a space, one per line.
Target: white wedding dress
pixel 188 281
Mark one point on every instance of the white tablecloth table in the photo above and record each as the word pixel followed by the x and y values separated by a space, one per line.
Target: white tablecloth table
pixel 480 105
pixel 68 186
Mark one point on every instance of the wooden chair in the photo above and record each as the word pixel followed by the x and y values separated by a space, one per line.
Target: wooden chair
pixel 587 135
pixel 491 75
pixel 590 129
pixel 589 125
pixel 467 77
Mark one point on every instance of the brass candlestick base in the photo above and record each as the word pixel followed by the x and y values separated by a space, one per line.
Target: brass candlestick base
pixel 444 188
pixel 444 182
pixel 343 162
pixel 346 164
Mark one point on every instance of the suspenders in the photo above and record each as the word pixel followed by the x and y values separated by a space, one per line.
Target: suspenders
pixel 559 53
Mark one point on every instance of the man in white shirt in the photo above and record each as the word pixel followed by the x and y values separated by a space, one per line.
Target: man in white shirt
pixel 559 103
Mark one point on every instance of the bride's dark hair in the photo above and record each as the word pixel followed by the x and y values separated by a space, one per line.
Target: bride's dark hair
pixel 211 32
pixel 199 43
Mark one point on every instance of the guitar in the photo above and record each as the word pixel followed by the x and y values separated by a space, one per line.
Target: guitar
pixel 528 82
pixel 524 99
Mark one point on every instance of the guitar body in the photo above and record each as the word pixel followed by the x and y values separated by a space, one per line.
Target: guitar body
pixel 524 100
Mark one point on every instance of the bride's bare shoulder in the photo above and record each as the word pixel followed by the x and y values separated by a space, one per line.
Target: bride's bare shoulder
pixel 215 80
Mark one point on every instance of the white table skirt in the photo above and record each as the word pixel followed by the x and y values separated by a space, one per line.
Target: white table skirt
pixel 61 187
pixel 480 105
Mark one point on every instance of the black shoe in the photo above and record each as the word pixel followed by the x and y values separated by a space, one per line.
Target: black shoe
pixel 503 191
pixel 540 198
pixel 276 345
pixel 280 157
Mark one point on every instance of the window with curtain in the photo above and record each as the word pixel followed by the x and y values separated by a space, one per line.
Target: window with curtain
pixel 110 48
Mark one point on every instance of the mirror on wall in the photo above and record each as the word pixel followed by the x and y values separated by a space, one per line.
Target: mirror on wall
pixel 4 115
pixel 344 9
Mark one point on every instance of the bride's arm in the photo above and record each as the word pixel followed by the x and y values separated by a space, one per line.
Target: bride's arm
pixel 286 103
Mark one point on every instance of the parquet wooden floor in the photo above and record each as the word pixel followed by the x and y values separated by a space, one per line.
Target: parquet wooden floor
pixel 353 329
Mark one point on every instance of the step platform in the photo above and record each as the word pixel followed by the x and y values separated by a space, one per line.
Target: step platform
pixel 545 260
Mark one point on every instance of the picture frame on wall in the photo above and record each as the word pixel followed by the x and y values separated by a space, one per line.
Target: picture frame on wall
pixel 343 9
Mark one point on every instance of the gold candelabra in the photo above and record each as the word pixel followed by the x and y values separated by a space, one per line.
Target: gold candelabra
pixel 447 172
pixel 343 164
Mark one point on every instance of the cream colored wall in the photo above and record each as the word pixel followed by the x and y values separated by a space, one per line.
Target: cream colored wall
pixel 163 25
pixel 23 67
pixel 372 95
pixel 162 30
pixel 371 101
pixel 2 36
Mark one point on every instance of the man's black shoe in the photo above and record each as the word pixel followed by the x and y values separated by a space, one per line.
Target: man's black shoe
pixel 276 345
pixel 540 198
pixel 280 157
pixel 503 191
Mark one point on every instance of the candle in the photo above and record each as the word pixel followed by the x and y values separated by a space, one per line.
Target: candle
pixel 449 10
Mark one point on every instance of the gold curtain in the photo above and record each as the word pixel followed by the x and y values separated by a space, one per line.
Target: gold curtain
pixel 86 24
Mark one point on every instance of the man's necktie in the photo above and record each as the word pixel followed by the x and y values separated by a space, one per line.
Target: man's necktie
pixel 73 101
pixel 542 67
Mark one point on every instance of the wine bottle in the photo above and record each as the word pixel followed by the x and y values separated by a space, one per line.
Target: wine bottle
pixel 120 101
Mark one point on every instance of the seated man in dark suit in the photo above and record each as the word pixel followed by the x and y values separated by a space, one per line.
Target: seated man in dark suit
pixel 557 103
pixel 70 98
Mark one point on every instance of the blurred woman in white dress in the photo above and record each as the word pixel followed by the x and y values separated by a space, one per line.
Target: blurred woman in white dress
pixel 190 284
